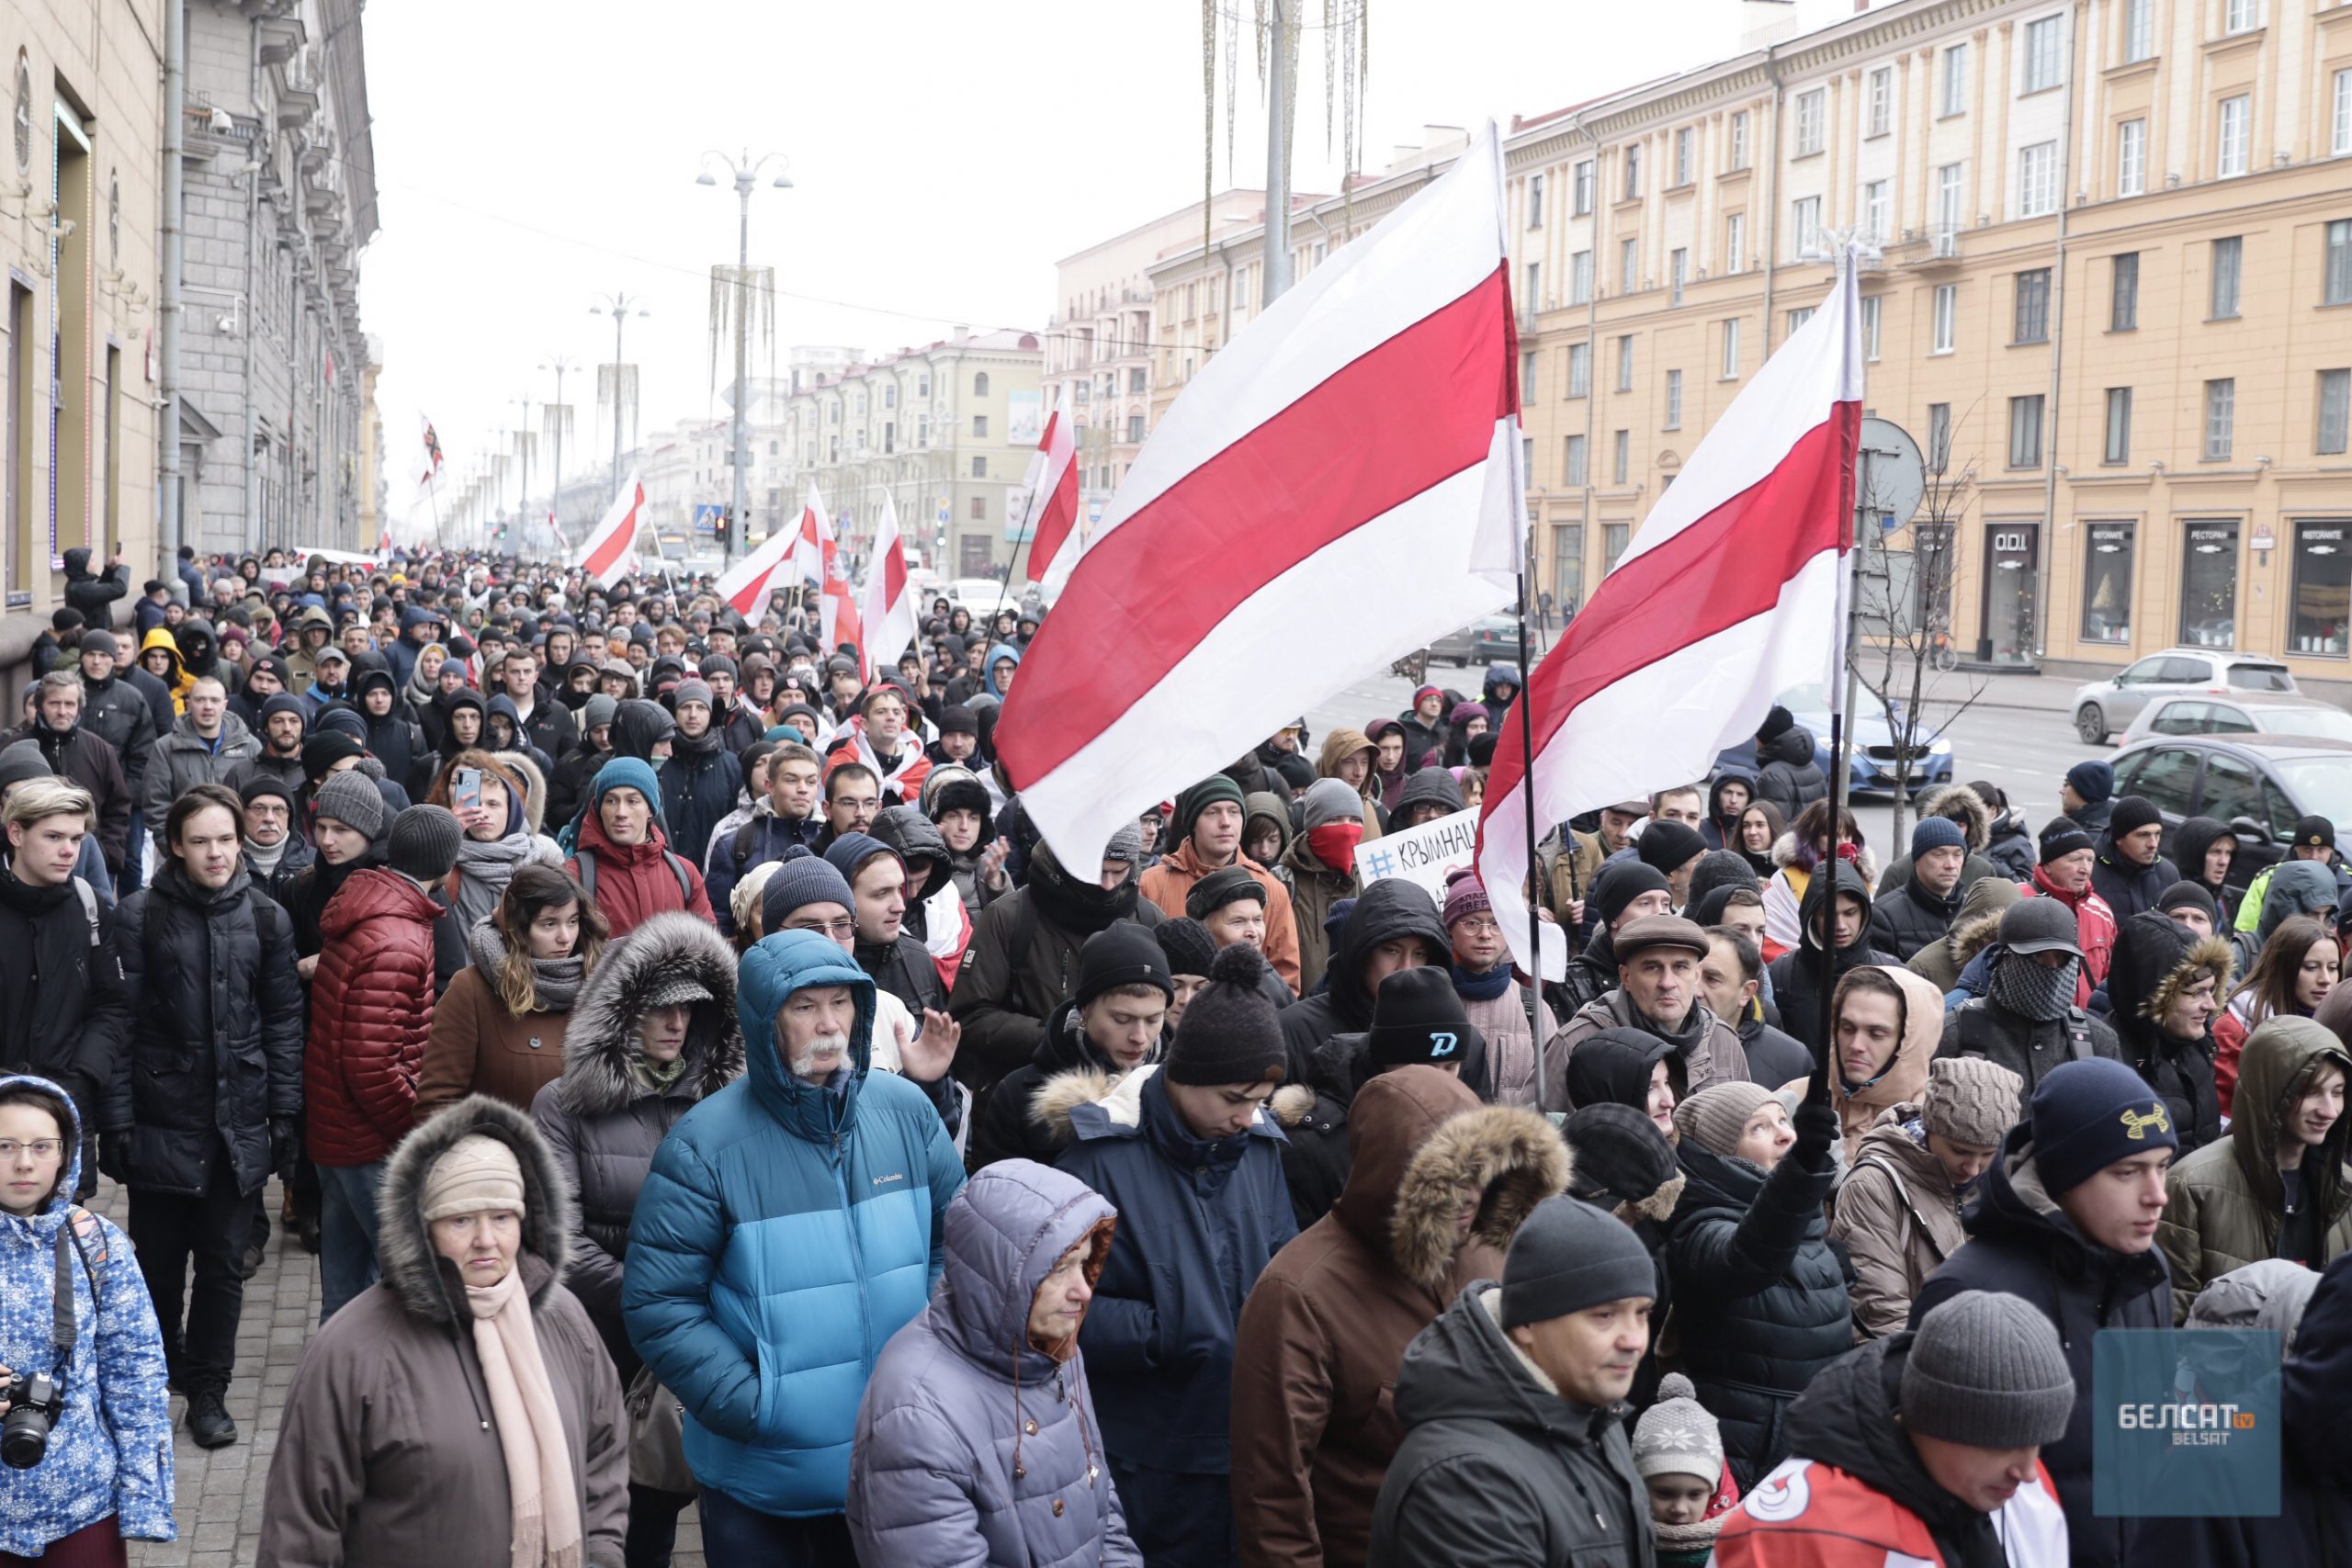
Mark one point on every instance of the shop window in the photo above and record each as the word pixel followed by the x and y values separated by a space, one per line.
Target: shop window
pixel 2208 584
pixel 2107 583
pixel 2322 601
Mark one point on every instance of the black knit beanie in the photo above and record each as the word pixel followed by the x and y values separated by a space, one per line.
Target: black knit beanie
pixel 1121 954
pixel 1622 882
pixel 1230 1033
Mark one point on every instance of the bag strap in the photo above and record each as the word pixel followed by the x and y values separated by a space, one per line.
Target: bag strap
pixel 89 909
pixel 1919 1221
pixel 587 863
pixel 678 870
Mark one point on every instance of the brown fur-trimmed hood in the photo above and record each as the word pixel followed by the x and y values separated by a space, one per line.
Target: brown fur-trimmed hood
pixel 1974 937
pixel 1784 855
pixel 1511 1153
pixel 2208 955
pixel 429 1285
pixel 599 1043
pixel 1979 825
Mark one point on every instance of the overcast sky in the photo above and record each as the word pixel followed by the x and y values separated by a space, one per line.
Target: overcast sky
pixel 535 155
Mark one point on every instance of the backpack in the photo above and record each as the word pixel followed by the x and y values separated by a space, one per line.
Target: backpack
pixel 587 865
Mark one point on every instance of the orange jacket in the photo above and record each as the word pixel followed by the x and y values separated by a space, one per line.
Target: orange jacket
pixel 1167 884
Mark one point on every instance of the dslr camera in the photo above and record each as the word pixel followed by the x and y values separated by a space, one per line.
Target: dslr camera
pixel 34 1406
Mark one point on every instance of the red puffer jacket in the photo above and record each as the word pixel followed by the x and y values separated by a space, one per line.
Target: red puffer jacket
pixel 371 1008
pixel 631 885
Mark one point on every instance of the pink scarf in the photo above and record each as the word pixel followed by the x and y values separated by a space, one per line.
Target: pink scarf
pixel 545 1496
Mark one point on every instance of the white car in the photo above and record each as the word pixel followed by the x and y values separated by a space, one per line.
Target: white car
pixel 2240 714
pixel 2102 708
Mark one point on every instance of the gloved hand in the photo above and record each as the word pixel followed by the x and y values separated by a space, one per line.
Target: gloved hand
pixel 285 1146
pixel 114 1156
pixel 1817 1132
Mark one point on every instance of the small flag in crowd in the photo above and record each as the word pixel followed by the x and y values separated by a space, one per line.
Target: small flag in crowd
pixel 429 466
pixel 609 552
pixel 1055 541
pixel 888 614
pixel 747 584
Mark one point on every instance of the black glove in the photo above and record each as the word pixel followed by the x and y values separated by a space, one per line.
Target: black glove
pixel 285 1146
pixel 114 1156
pixel 1817 1132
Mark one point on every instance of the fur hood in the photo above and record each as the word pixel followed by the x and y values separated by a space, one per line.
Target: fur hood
pixel 1065 1091
pixel 1784 855
pixel 428 1285
pixel 1940 802
pixel 1973 937
pixel 535 787
pixel 1511 1153
pixel 2208 955
pixel 598 1045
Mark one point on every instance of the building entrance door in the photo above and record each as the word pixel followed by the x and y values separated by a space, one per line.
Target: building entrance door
pixel 2005 633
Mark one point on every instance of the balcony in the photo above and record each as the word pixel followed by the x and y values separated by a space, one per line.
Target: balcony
pixel 1934 248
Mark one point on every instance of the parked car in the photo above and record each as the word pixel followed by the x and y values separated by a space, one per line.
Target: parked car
pixel 2103 707
pixel 2259 784
pixel 2251 713
pixel 1870 755
pixel 1490 640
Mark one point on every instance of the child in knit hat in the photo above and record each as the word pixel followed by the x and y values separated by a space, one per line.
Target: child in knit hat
pixel 1679 1452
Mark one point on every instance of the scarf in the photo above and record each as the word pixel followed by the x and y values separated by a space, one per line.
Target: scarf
pixel 2031 989
pixel 484 868
pixel 545 1524
pixel 1334 844
pixel 265 861
pixel 658 1078
pixel 1481 987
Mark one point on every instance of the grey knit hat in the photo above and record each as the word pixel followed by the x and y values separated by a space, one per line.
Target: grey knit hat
pixel 597 710
pixel 1328 801
pixel 690 691
pixel 1971 1101
pixel 1570 1255
pixel 424 842
pixel 1126 845
pixel 352 798
pixel 1714 1117
pixel 1676 1436
pixel 1985 1369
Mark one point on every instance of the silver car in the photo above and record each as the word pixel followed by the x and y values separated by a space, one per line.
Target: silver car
pixel 2240 714
pixel 2103 707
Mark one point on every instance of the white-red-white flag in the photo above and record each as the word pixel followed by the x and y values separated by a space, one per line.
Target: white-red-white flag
pixel 887 611
pixel 837 603
pixel 609 552
pixel 428 466
pixel 1727 596
pixel 747 584
pixel 1339 486
pixel 810 540
pixel 1056 540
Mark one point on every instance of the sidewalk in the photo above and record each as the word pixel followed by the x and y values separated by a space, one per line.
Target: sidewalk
pixel 2030 693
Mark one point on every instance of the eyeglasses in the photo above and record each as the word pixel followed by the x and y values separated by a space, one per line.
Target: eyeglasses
pixel 42 1148
pixel 1480 925
pixel 839 931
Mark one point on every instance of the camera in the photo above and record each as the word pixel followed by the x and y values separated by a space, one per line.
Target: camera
pixel 34 1406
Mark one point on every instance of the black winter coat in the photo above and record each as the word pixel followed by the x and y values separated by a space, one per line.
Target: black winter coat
pixel 1788 777
pixel 90 592
pixel 2021 1244
pixel 1496 1468
pixel 80 757
pixel 65 1014
pixel 2128 888
pixel 905 969
pixel 764 838
pixel 1011 1128
pixel 2155 959
pixel 1796 974
pixel 1386 911
pixel 567 787
pixel 117 713
pixel 217 1031
pixel 1760 1301
pixel 700 784
pixel 1904 922
pixel 1977 1028
pixel 2012 848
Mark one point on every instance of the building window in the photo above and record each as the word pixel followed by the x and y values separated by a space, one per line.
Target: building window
pixel 1882 110
pixel 1875 211
pixel 1567 566
pixel 1736 242
pixel 1613 538
pixel 1804 227
pixel 2131 158
pixel 2107 583
pixel 2025 432
pixel 1622 468
pixel 2237 124
pixel 979 426
pixel 1534 300
pixel 1730 371
pixel 980 509
pixel 1677 271
pixel 1633 171
pixel 1739 141
pixel 1572 466
pixel 1625 362
pixel 1579 369
pixel 1956 79
pixel 1798 318
pixel 2229 256
pixel 1535 201
pixel 2339 139
pixel 2139 31
pixel 1580 278
pixel 2335 411
pixel 1241 277
pixel 1948 198
pixel 2322 596
pixel 1138 382
pixel 1674 400
pixel 2338 284
pixel 1629 266
pixel 2038 180
pixel 2032 322
pixel 1873 313
pixel 1527 376
pixel 923 386
pixel 980 380
pixel 2208 583
pixel 1813 116
pixel 979 467
pixel 1135 428
pixel 2123 292
pixel 1580 186
pixel 2045 52
pixel 2221 418
pixel 2119 425
pixel 2241 16
pixel 1684 142
pixel 1939 453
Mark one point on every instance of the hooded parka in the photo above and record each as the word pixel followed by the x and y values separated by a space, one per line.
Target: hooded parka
pixel 2156 958
pixel 1786 773
pixel 1896 1216
pixel 1978 922
pixel 1389 910
pixel 1797 976
pixel 1906 1073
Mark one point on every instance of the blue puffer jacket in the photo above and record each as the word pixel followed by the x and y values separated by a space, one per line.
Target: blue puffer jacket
pixel 110 1452
pixel 946 1469
pixel 788 1230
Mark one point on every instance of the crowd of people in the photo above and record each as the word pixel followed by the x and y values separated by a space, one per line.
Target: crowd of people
pixel 702 1087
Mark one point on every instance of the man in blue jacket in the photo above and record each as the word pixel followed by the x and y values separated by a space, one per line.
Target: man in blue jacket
pixel 1190 1158
pixel 791 1225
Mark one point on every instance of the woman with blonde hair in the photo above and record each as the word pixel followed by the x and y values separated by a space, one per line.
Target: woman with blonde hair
pixel 499 1028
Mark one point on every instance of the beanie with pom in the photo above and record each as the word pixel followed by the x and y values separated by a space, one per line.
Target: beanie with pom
pixel 1230 1033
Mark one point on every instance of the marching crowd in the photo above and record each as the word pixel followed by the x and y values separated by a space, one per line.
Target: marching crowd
pixel 702 1087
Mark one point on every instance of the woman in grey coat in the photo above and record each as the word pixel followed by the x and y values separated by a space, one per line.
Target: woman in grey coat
pixel 954 1460
pixel 652 1032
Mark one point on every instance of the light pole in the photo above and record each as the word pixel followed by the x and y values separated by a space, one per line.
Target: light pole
pixel 621 307
pixel 745 172
pixel 523 461
pixel 559 364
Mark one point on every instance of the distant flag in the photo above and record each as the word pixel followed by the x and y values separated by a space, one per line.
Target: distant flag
pixel 809 541
pixel 1056 540
pixel 610 549
pixel 429 464
pixel 839 616
pixel 888 611
pixel 747 584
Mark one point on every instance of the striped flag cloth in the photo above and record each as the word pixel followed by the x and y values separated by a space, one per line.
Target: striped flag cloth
pixel 747 584
pixel 886 614
pixel 1056 540
pixel 1339 486
pixel 609 552
pixel 1730 594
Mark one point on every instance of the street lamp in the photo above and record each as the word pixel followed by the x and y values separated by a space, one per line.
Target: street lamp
pixel 744 170
pixel 559 363
pixel 621 307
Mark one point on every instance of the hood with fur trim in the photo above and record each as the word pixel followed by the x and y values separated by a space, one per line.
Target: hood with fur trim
pixel 1511 1154
pixel 600 1042
pixel 427 1284
pixel 1784 855
pixel 1941 802
pixel 535 787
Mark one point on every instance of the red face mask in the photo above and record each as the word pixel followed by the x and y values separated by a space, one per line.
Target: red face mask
pixel 1334 844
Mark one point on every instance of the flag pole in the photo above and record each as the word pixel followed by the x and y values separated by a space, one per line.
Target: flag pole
pixel 1522 706
pixel 1842 699
pixel 1004 583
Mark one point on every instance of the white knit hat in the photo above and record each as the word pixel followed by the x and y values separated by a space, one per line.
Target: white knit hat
pixel 1676 1436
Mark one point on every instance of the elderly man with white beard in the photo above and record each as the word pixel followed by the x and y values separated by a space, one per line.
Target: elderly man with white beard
pixel 791 1225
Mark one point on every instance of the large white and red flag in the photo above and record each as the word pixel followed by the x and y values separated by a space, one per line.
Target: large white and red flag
pixel 1339 485
pixel 886 613
pixel 747 584
pixel 429 460
pixel 1727 596
pixel 609 552
pixel 1056 540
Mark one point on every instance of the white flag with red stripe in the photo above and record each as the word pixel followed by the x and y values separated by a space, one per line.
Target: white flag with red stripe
pixel 1339 486
pixel 1729 596
pixel 1056 540
pixel 809 541
pixel 747 584
pixel 609 552
pixel 888 615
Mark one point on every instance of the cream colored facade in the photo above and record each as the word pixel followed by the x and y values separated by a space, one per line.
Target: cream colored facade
pixel 79 174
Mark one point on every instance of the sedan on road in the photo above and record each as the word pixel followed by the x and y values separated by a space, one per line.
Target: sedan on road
pixel 2253 713
pixel 1490 640
pixel 2103 707
pixel 1870 755
pixel 2259 784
